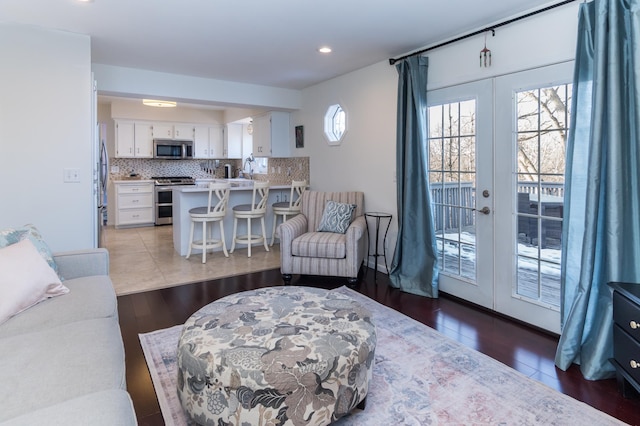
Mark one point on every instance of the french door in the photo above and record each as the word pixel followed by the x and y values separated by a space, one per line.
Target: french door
pixel 496 172
pixel 461 183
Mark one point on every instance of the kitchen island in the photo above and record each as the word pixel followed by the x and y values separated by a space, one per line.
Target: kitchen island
pixel 188 197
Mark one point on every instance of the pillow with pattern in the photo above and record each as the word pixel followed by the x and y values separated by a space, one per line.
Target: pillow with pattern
pixel 11 236
pixel 336 217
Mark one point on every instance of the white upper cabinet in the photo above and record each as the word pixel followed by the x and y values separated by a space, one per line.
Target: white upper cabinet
pixel 125 139
pixel 143 140
pixel 173 131
pixel 201 142
pixel 233 141
pixel 134 140
pixel 216 142
pixel 183 132
pixel 164 131
pixel 208 142
pixel 271 135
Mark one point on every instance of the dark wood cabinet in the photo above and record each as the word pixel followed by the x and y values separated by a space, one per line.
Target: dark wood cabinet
pixel 626 337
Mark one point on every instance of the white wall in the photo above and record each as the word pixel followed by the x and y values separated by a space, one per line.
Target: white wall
pixel 366 158
pixel 135 110
pixel 45 126
pixel 142 83
pixel 543 39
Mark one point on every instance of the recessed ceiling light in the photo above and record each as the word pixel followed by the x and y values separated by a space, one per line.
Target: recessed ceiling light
pixel 324 49
pixel 158 103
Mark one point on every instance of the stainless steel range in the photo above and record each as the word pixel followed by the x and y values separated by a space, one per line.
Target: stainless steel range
pixel 164 196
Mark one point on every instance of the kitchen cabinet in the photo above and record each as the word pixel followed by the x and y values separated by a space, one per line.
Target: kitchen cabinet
pixel 134 140
pixel 164 131
pixel 183 131
pixel 271 135
pixel 208 142
pixel 201 142
pixel 134 204
pixel 173 131
pixel 233 141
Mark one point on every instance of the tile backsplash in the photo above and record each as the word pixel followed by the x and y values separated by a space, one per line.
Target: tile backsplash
pixel 280 171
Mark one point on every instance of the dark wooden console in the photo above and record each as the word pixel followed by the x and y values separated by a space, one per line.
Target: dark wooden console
pixel 626 337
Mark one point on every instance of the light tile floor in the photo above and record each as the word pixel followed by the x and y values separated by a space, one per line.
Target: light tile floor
pixel 143 259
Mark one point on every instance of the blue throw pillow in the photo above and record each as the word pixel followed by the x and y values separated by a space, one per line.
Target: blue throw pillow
pixel 11 236
pixel 336 217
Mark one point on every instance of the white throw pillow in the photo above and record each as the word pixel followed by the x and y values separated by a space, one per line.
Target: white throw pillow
pixel 10 236
pixel 25 279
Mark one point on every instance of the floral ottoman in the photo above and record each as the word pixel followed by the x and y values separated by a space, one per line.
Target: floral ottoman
pixel 276 356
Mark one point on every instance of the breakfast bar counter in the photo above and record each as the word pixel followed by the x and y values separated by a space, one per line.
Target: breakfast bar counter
pixel 188 197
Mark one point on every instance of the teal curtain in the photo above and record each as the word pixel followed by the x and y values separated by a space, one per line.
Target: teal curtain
pixel 601 233
pixel 414 266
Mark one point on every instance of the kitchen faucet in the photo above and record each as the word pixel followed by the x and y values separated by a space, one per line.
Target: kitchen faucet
pixel 249 160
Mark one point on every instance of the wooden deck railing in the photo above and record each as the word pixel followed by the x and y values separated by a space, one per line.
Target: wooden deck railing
pixel 453 202
pixel 546 188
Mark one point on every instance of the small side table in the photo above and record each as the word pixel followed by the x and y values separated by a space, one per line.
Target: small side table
pixel 378 216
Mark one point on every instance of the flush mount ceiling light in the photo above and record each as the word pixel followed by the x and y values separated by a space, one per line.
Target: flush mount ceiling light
pixel 158 103
pixel 324 49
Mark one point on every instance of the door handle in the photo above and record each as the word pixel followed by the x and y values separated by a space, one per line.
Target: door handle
pixel 484 210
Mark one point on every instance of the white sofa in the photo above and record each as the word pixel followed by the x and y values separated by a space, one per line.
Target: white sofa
pixel 62 360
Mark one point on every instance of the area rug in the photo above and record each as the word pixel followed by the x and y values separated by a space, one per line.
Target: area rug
pixel 420 377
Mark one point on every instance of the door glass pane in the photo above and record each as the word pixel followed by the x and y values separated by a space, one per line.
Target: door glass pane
pixel 452 179
pixel 468 147
pixel 542 120
pixel 451 119
pixel 435 154
pixel 435 121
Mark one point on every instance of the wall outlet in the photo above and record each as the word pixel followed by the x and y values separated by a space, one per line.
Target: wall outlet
pixel 279 169
pixel 288 171
pixel 115 169
pixel 71 175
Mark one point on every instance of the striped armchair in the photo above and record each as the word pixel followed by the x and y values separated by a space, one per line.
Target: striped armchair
pixel 305 251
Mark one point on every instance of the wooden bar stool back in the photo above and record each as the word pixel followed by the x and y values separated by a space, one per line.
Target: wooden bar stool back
pixel 214 211
pixel 256 210
pixel 288 209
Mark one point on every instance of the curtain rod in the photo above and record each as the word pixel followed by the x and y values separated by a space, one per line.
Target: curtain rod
pixel 492 28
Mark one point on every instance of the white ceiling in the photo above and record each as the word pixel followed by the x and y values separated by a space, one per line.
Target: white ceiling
pixel 265 42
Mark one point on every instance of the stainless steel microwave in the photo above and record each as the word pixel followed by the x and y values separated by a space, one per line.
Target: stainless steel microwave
pixel 171 149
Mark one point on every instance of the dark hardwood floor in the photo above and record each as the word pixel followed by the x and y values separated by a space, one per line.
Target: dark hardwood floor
pixel 525 349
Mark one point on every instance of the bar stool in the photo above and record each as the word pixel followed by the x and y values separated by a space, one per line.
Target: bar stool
pixel 288 208
pixel 214 212
pixel 256 210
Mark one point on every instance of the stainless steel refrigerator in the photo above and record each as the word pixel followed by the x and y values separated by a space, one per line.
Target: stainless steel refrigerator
pixel 100 181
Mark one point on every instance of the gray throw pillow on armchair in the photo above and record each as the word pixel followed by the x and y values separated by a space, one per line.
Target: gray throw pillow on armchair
pixel 336 217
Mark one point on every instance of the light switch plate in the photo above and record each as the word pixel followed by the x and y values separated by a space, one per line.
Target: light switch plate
pixel 71 175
